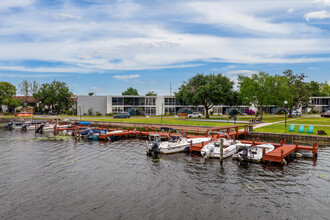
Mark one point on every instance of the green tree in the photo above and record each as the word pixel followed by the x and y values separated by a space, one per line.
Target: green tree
pixel 55 95
pixel 24 88
pixel 325 89
pixel 298 93
pixel 314 88
pixel 7 93
pixel 260 90
pixel 34 87
pixel 206 90
pixel 91 93
pixel 130 91
pixel 151 93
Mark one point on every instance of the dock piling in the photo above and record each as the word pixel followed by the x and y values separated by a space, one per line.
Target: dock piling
pixel 221 151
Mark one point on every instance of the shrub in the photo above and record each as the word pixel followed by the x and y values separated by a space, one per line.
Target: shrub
pixel 251 112
pixel 98 114
pixel 313 112
pixel 90 112
pixel 109 114
pixel 211 112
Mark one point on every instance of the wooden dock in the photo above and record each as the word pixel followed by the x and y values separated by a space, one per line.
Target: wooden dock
pixel 282 150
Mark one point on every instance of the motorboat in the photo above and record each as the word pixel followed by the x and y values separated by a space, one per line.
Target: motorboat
pixel 230 147
pixel 14 125
pixel 176 143
pixel 253 153
pixel 92 133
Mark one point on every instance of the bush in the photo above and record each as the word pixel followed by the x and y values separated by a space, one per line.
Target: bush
pixel 211 112
pixel 98 114
pixel 109 114
pixel 250 112
pixel 90 112
pixel 313 112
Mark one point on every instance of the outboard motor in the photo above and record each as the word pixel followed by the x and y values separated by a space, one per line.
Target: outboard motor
pixel 24 127
pixel 89 134
pixel 244 154
pixel 9 125
pixel 154 147
pixel 40 129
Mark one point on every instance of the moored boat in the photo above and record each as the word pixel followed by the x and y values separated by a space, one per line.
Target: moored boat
pixel 230 147
pixel 176 143
pixel 253 154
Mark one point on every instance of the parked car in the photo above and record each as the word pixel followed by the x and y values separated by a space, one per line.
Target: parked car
pixel 326 114
pixel 195 115
pixel 122 115
pixel 296 113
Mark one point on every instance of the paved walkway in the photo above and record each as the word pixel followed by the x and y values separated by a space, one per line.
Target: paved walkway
pixel 216 120
pixel 271 123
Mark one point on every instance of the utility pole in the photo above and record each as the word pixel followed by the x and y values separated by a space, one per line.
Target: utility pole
pixel 161 120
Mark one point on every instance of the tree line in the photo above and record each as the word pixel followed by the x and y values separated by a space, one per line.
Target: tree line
pixel 260 89
pixel 54 96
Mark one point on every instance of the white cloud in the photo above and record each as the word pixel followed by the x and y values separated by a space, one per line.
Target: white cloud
pixel 14 75
pixel 323 2
pixel 66 17
pixel 242 72
pixel 243 16
pixel 317 15
pixel 290 10
pixel 138 82
pixel 5 4
pixel 126 77
pixel 139 39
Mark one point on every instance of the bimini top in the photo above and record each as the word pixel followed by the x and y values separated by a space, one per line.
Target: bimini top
pixel 83 122
pixel 167 129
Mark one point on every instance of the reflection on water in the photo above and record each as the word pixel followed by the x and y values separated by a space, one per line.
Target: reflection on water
pixel 64 179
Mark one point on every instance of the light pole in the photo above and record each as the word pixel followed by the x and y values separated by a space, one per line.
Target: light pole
pixel 161 119
pixel 285 103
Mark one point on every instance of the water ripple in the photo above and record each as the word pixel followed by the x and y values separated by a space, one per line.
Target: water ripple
pixel 47 179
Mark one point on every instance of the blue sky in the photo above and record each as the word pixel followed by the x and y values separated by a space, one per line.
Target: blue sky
pixel 107 46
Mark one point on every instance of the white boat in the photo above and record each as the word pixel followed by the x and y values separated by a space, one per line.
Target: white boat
pixel 254 153
pixel 176 143
pixel 230 147
pixel 180 145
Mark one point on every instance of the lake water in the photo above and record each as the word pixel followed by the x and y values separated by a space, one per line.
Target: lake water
pixel 48 179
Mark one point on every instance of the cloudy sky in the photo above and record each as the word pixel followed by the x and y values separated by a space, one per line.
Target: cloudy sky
pixel 106 46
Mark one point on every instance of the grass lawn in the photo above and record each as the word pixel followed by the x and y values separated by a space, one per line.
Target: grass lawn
pixel 280 128
pixel 173 121
pixel 312 121
pixel 266 118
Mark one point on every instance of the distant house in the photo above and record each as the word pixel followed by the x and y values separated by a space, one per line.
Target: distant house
pixel 26 101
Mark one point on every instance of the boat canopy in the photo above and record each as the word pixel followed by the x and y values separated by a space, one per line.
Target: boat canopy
pixel 167 129
pixel 83 122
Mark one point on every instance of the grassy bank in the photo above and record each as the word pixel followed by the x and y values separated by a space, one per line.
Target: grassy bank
pixel 317 122
pixel 173 121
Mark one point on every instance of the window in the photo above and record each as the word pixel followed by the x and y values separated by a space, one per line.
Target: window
pixel 150 101
pixel 170 110
pixel 117 101
pixel 117 109
pixel 169 101
pixel 150 110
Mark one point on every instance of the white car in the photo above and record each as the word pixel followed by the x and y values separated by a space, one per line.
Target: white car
pixel 195 115
pixel 296 113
